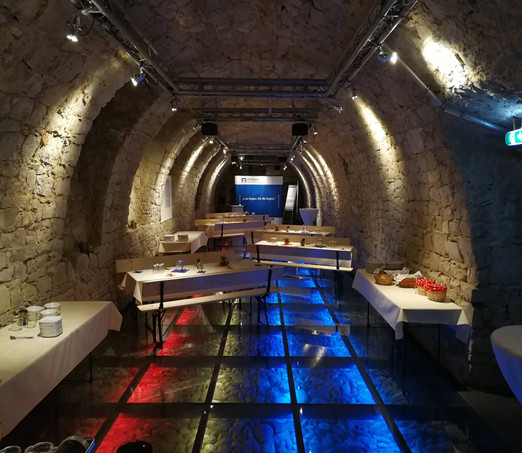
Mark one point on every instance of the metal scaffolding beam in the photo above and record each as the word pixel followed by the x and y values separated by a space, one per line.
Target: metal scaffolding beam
pixel 256 114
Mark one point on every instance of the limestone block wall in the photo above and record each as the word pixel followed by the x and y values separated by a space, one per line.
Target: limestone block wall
pixel 492 173
pixel 50 93
pixel 404 197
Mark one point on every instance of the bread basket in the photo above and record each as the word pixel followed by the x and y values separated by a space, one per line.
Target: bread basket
pixel 437 293
pixel 383 279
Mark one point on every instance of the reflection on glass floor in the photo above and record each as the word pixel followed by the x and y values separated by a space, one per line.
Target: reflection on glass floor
pixel 316 379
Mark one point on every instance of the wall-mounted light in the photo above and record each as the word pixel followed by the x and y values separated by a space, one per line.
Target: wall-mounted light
pixel 74 29
pixel 314 130
pixel 138 77
pixel 174 105
pixel 383 55
pixel 354 94
pixel 285 167
pixel 394 57
pixel 211 140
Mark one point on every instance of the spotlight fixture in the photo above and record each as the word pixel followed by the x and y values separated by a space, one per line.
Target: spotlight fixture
pixel 224 149
pixel 285 167
pixel 138 77
pixel 211 140
pixel 314 130
pixel 354 94
pixel 292 158
pixel 241 166
pixel 75 29
pixel 383 55
pixel 338 108
pixel 174 105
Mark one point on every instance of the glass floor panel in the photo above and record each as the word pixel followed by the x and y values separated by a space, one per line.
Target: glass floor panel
pixel 318 344
pixel 255 341
pixel 323 381
pixel 247 435
pixel 331 385
pixel 334 435
pixel 252 385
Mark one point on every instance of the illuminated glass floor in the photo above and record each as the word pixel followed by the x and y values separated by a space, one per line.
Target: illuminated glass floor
pixel 317 379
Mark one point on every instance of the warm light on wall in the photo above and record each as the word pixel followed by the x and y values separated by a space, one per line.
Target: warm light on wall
pixel 192 160
pixel 307 193
pixel 446 66
pixel 215 174
pixel 385 150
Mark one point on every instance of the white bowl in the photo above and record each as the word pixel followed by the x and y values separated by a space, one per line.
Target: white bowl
pixel 53 306
pixel 48 312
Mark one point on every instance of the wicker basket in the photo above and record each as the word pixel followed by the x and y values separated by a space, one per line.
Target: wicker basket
pixel 437 296
pixel 383 279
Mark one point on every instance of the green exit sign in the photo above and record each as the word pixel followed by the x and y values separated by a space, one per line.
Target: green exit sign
pixel 514 138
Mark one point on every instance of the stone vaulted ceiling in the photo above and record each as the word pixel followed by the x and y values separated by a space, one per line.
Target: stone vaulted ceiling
pixel 415 168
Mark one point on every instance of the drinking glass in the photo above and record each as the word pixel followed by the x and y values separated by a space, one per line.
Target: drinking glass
pixel 11 449
pixel 40 447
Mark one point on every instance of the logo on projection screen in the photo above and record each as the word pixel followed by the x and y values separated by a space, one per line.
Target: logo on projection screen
pixel 259 180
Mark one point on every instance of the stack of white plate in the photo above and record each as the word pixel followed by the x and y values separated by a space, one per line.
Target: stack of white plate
pixel 51 326
pixel 169 238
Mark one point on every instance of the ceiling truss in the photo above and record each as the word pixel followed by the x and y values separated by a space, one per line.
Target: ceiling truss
pixel 378 25
pixel 256 115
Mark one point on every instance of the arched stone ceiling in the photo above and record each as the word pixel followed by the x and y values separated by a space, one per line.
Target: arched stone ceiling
pixel 273 39
pixel 392 171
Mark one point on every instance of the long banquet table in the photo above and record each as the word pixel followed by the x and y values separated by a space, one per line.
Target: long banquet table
pixel 402 305
pixel 196 240
pixel 312 255
pixel 31 368
pixel 156 292
pixel 145 284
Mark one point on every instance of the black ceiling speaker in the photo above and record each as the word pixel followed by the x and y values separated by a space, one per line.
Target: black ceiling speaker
pixel 209 129
pixel 299 129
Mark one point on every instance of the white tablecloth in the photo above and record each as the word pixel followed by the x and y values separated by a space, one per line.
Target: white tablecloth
pixel 298 232
pixel 31 368
pixel 309 254
pixel 244 274
pixel 399 305
pixel 196 240
pixel 507 346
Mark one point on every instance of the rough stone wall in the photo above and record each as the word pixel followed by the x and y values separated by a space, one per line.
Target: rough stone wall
pixel 148 183
pixel 186 175
pixel 48 101
pixel 404 198
pixel 209 185
pixel 492 173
